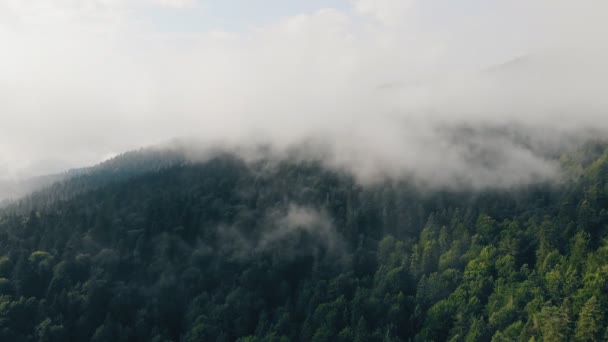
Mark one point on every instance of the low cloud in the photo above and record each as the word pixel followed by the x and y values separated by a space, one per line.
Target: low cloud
pixel 444 94
pixel 388 12
pixel 299 219
pixel 292 231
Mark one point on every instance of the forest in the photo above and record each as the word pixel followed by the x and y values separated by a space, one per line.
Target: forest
pixel 284 250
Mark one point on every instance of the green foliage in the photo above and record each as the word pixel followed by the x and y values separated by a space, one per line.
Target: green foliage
pixel 589 326
pixel 214 252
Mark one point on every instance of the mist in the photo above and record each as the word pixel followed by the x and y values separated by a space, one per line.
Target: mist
pixel 379 89
pixel 291 231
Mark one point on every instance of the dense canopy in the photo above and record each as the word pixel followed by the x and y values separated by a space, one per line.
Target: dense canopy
pixel 226 250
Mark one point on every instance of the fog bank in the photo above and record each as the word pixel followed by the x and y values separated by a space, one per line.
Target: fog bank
pixel 473 93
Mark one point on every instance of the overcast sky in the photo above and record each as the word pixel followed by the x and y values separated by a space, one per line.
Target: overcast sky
pixel 82 80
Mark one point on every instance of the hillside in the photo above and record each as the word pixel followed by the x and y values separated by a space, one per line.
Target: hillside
pixel 41 192
pixel 226 250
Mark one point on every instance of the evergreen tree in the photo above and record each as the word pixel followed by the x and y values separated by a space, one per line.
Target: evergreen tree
pixel 590 323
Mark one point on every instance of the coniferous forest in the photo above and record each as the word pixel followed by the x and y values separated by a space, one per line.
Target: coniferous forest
pixel 228 250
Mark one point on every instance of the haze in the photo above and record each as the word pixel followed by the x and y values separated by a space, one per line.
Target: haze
pixel 387 87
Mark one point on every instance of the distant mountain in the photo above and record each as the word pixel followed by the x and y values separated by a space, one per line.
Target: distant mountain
pixel 11 189
pixel 42 191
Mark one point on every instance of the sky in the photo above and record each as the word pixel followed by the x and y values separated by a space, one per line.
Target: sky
pixel 383 85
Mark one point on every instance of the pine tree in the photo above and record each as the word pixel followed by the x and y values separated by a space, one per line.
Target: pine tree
pixel 362 332
pixel 588 327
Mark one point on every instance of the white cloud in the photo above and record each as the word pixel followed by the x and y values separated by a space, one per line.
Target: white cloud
pixel 178 4
pixel 300 219
pixel 59 12
pixel 389 12
pixel 380 96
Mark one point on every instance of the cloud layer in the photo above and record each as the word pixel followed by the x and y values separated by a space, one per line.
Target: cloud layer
pixel 444 93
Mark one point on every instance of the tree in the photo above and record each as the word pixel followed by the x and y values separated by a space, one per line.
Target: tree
pixel 589 325
pixel 48 332
pixel 553 324
pixel 477 331
pixel 362 331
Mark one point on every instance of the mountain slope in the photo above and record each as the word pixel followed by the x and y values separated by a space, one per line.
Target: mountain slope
pixel 44 191
pixel 227 249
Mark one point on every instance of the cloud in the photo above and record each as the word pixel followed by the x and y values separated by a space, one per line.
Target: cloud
pixel 55 14
pixel 178 4
pixel 291 231
pixel 389 12
pixel 384 89
pixel 301 219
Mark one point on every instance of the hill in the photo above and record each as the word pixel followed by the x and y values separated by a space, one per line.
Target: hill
pixel 225 250
pixel 40 192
